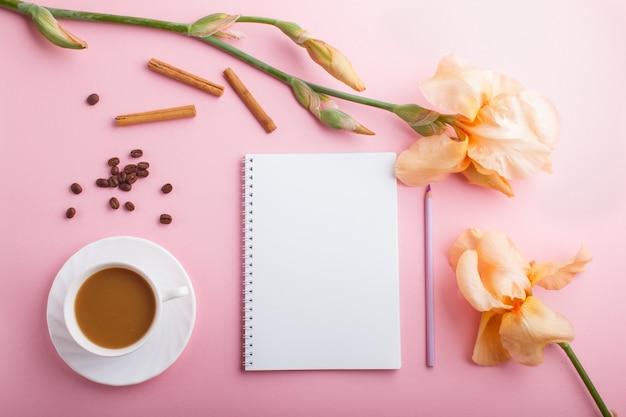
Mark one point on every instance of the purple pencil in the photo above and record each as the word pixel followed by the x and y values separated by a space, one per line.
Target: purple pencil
pixel 429 278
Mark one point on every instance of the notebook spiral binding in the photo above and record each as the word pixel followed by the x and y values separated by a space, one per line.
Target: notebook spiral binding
pixel 248 277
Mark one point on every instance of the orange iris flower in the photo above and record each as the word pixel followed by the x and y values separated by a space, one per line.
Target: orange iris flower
pixel 497 280
pixel 501 130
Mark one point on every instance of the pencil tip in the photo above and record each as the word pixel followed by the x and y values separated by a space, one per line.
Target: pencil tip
pixel 428 188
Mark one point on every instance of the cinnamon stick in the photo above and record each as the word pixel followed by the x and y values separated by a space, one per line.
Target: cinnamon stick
pixel 156 115
pixel 244 94
pixel 185 77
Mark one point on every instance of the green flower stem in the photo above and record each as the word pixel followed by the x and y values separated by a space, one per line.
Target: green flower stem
pixel 583 375
pixel 111 18
pixel 276 73
pixel 182 28
pixel 258 19
pixel 10 4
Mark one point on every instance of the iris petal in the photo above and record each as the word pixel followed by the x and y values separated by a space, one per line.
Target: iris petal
pixel 493 180
pixel 467 240
pixel 458 87
pixel 504 269
pixel 543 117
pixel 504 140
pixel 431 159
pixel 471 284
pixel 556 275
pixel 526 331
pixel 488 349
pixel 497 248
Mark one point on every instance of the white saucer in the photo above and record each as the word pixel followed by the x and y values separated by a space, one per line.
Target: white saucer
pixel 169 338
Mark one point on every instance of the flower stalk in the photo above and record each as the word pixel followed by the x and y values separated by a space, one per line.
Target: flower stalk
pixel 297 34
pixel 491 138
pixel 586 380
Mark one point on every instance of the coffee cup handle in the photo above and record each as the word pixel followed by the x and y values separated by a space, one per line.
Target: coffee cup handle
pixel 175 293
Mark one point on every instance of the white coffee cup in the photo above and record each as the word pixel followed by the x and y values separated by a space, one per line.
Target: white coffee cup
pixel 160 295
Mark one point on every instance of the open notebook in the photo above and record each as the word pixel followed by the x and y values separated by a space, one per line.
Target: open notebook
pixel 321 262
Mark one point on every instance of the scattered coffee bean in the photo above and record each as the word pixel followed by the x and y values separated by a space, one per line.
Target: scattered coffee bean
pixel 93 99
pixel 130 168
pixel 123 176
pixel 167 188
pixel 114 203
pixel 76 188
pixel 102 182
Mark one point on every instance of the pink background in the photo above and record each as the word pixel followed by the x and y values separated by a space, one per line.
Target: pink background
pixel 571 51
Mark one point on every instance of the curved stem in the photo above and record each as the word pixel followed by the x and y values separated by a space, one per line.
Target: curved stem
pixel 182 28
pixel 282 76
pixel 111 18
pixel 10 4
pixel 257 19
pixel 583 375
pixel 249 59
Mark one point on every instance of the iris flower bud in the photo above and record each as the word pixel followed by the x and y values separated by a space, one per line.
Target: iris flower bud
pixel 214 25
pixel 423 121
pixel 50 28
pixel 322 107
pixel 325 55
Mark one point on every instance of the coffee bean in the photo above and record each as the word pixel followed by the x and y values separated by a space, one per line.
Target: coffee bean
pixel 102 182
pixel 165 218
pixel 142 173
pixel 70 212
pixel 143 165
pixel 93 99
pixel 125 186
pixel 167 188
pixel 129 206
pixel 130 168
pixel 76 188
pixel 113 161
pixel 114 203
pixel 115 170
pixel 136 153
pixel 131 178
pixel 121 177
pixel 113 181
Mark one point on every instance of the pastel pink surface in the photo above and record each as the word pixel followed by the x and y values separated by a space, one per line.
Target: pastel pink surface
pixel 571 52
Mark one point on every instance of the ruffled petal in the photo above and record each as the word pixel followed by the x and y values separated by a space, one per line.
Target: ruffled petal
pixel 502 84
pixel 526 331
pixel 503 268
pixel 488 349
pixel 556 275
pixel 466 240
pixel 491 180
pixel 543 117
pixel 497 248
pixel 431 159
pixel 458 87
pixel 471 284
pixel 502 140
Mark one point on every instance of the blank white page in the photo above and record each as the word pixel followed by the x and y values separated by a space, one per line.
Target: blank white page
pixel 321 261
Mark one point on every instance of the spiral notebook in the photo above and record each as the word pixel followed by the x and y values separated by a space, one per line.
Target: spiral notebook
pixel 321 262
